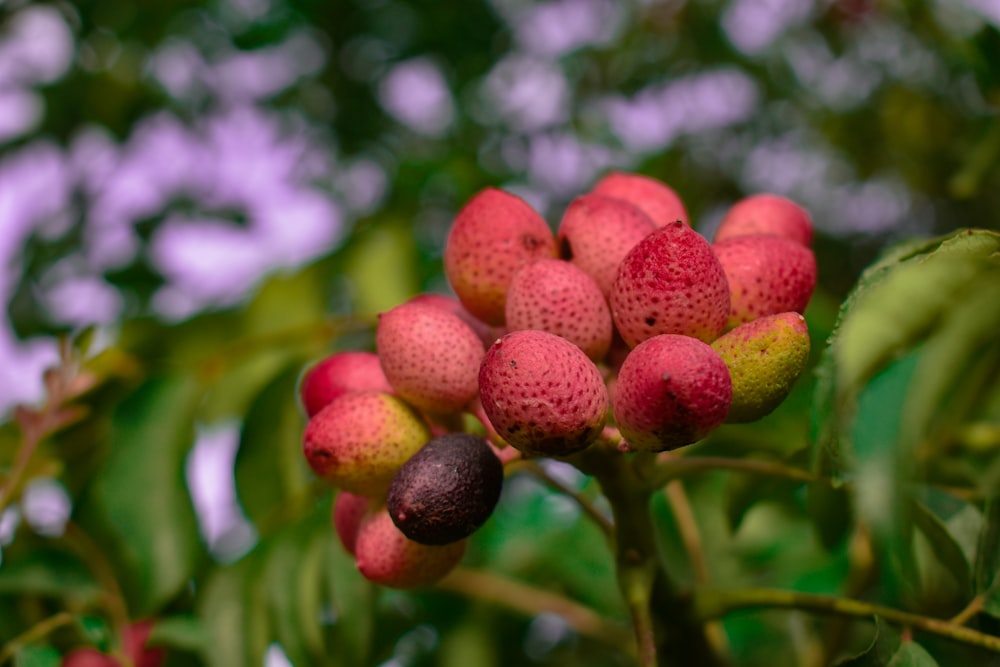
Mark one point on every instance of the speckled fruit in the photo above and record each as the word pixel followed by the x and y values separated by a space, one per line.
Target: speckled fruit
pixel 764 358
pixel 555 296
pixel 348 511
pixel 542 394
pixel 767 275
pixel 447 490
pixel 430 356
pixel 657 199
pixel 359 441
pixel 597 232
pixel 486 333
pixel 670 283
pixel 339 373
pixel 493 236
pixel 671 391
pixel 385 556
pixel 766 214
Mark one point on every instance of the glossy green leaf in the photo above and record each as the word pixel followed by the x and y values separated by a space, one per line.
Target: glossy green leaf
pixel 884 645
pixel 950 560
pixel 139 498
pixel 912 654
pixel 271 449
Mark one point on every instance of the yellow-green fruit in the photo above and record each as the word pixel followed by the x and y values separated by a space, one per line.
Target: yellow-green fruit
pixel 764 358
pixel 359 441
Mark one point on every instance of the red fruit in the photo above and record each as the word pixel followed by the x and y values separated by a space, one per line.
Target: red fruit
pixel 385 556
pixel 597 232
pixel 542 394
pixel 767 275
pixel 338 374
pixel 493 236
pixel 133 644
pixel 555 296
pixel 766 214
pixel 670 283
pixel 359 441
pixel 671 391
pixel 486 333
pixel 89 657
pixel 348 511
pixel 430 356
pixel 657 199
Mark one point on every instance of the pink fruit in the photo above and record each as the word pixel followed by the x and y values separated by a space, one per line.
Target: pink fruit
pixel 767 275
pixel 338 374
pixel 486 333
pixel 133 645
pixel 671 391
pixel 670 283
pixel 385 556
pixel 597 232
pixel 766 214
pixel 430 356
pixel 555 296
pixel 493 236
pixel 657 199
pixel 542 394
pixel 348 511
pixel 764 358
pixel 359 441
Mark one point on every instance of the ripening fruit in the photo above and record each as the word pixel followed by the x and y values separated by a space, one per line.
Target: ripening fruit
pixel 133 645
pixel 493 235
pixel 766 214
pixel 670 283
pixel 358 442
pixel 385 556
pixel 671 391
pixel 542 394
pixel 339 373
pixel 764 358
pixel 767 275
pixel 430 356
pixel 348 511
pixel 657 199
pixel 447 490
pixel 597 232
pixel 486 333
pixel 555 296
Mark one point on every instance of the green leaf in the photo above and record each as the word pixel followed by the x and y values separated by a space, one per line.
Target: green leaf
pixel 37 656
pixel 185 632
pixel 233 612
pixel 270 468
pixel 949 555
pixel 352 601
pixel 988 549
pixel 912 654
pixel 139 499
pixel 883 647
pixel 376 289
pixel 51 573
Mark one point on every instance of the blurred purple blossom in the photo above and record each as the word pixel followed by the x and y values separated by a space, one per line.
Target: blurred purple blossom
pixel 526 93
pixel 416 94
pixel 556 28
pixel 754 25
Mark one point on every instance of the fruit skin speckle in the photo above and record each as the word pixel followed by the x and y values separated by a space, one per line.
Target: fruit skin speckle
pixel 766 214
pixel 670 283
pixel 493 235
pixel 430 356
pixel 385 556
pixel 764 358
pixel 671 391
pixel 447 490
pixel 596 232
pixel 767 275
pixel 359 441
pixel 556 296
pixel 656 199
pixel 339 373
pixel 542 394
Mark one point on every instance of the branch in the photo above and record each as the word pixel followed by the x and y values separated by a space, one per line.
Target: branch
pixel 710 604
pixel 531 601
pixel 674 467
pixel 34 633
pixel 585 503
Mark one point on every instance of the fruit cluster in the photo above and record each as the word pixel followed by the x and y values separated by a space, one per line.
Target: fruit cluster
pixel 625 321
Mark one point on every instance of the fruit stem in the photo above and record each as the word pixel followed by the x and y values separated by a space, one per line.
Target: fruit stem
pixel 665 631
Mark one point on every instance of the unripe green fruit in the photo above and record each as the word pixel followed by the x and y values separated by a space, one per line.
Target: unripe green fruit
pixel 385 556
pixel 359 441
pixel 447 490
pixel 764 358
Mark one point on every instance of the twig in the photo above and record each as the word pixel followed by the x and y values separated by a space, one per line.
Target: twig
pixel 34 633
pixel 532 601
pixel 585 503
pixel 674 467
pixel 709 603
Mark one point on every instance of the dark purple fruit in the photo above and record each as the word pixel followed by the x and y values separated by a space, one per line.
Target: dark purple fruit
pixel 446 490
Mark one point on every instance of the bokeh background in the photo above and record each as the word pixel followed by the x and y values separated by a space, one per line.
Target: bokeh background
pixel 172 166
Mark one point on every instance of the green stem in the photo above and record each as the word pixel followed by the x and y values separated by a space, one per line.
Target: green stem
pixel 708 604
pixel 33 634
pixel 583 501
pixel 675 467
